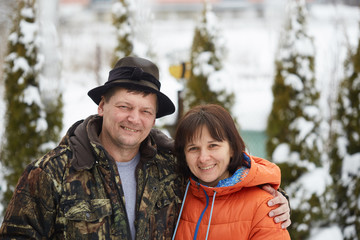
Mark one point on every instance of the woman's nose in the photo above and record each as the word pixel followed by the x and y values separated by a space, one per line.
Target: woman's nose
pixel 204 156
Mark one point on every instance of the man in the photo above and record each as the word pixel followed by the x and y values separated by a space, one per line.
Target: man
pixel 112 176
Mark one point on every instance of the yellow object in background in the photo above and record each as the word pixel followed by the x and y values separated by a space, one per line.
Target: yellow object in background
pixel 181 71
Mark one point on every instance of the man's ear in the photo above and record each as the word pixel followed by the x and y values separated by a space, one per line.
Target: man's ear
pixel 101 107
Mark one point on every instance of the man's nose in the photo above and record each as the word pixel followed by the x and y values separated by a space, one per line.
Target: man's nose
pixel 134 116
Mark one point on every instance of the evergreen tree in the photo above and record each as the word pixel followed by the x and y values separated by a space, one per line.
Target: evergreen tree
pixel 295 141
pixel 345 152
pixel 207 53
pixel 122 12
pixel 133 29
pixel 25 120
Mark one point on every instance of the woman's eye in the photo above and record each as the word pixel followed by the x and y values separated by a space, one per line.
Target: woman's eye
pixel 191 149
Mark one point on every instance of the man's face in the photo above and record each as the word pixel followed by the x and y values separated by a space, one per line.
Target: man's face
pixel 127 119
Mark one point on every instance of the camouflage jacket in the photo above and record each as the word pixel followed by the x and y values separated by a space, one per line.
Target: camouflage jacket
pixel 74 192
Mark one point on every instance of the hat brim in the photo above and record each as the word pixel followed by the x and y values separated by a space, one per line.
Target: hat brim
pixel 165 105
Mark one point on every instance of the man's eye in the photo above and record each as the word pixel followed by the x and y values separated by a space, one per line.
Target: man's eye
pixel 148 112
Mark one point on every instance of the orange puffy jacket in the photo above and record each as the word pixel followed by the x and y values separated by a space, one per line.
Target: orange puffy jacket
pixel 237 212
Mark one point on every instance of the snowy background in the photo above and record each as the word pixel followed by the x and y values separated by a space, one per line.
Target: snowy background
pixel 251 44
pixel 85 42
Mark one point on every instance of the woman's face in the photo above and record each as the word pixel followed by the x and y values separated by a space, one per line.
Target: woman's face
pixel 207 158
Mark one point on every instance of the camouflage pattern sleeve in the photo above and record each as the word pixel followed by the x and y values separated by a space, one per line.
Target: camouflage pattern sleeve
pixel 31 212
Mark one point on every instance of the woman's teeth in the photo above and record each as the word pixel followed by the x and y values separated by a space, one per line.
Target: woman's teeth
pixel 207 168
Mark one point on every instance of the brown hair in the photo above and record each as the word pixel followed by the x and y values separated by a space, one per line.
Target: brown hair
pixel 221 127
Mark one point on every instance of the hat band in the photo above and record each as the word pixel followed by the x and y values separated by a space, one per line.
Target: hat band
pixel 139 82
pixel 133 75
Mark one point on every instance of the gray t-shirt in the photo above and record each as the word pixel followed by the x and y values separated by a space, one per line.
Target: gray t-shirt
pixel 128 181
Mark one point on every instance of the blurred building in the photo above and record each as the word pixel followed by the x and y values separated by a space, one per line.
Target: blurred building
pixel 171 5
pixel 76 2
pixel 181 7
pixel 164 8
pixel 189 5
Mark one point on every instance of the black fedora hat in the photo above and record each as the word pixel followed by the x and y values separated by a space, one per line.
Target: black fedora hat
pixel 135 73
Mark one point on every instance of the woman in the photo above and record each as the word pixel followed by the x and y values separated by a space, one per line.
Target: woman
pixel 223 199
